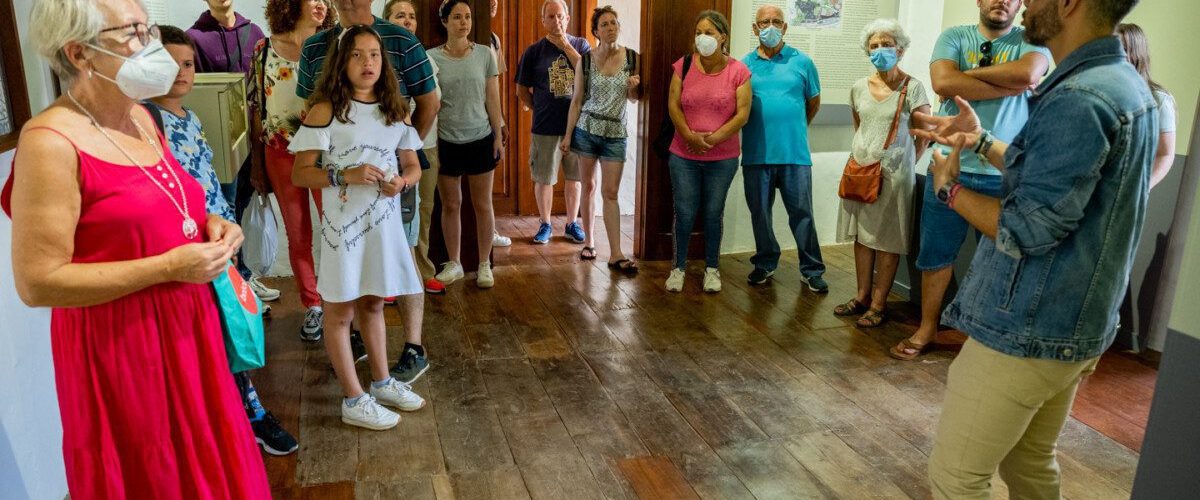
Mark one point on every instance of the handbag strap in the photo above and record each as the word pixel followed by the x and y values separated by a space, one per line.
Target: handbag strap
pixel 896 119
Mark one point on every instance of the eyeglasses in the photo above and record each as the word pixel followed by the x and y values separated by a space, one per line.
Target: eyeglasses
pixel 141 31
pixel 778 23
pixel 986 49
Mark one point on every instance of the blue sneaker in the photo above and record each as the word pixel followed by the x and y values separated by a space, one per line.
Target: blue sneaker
pixel 543 234
pixel 410 367
pixel 574 232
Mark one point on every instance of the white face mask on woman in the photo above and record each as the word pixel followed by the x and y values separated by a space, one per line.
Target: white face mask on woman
pixel 148 73
pixel 706 45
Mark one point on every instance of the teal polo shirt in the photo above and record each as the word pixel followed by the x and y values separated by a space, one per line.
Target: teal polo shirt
pixel 782 86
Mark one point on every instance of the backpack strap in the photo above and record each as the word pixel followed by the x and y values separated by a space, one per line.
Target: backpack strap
pixel 586 63
pixel 156 113
pixel 630 60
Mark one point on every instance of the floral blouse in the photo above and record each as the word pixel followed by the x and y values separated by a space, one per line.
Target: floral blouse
pixel 272 93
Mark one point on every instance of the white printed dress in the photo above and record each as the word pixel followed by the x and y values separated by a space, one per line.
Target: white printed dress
pixel 364 250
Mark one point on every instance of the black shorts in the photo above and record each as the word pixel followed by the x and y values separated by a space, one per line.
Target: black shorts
pixel 472 158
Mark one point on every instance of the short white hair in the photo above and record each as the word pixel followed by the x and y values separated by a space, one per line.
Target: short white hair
pixel 889 27
pixel 566 8
pixel 55 23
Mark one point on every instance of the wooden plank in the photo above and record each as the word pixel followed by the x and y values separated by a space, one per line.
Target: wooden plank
pixel 911 420
pixel 493 341
pixel 514 387
pixel 718 421
pixel 411 450
pixel 656 477
pixel 328 448
pixel 769 471
pixel 839 468
pixel 342 490
pixel 502 484
pixel 416 488
pixel 468 429
pixel 1105 456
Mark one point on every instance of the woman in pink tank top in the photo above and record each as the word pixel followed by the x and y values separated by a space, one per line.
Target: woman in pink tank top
pixel 110 232
pixel 709 103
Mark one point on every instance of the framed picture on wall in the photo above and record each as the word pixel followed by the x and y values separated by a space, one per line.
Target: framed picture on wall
pixel 14 96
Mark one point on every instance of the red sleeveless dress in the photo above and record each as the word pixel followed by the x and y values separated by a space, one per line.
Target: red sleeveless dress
pixel 149 407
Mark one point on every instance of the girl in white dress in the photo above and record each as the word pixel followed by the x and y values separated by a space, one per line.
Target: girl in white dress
pixel 355 128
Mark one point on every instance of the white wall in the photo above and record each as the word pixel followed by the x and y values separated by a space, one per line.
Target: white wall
pixel 30 432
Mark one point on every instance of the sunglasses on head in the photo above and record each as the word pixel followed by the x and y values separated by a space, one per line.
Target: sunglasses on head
pixel 986 49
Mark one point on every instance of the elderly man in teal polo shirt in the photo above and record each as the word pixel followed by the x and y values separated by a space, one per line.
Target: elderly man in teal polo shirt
pixel 787 94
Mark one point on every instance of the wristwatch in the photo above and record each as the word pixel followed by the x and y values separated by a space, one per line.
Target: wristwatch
pixel 948 190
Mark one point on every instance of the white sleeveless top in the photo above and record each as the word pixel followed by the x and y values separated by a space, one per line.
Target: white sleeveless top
pixel 364 249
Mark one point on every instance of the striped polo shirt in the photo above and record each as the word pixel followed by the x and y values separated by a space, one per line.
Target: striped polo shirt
pixel 407 55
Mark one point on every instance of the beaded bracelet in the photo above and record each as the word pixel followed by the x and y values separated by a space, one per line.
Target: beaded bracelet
pixel 332 176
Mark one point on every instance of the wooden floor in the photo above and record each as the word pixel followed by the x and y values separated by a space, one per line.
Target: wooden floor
pixel 568 381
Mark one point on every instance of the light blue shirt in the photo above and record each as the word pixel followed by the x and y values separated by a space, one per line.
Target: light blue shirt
pixel 1004 117
pixel 781 86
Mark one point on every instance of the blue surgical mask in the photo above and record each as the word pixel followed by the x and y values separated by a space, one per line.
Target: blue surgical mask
pixel 770 36
pixel 884 58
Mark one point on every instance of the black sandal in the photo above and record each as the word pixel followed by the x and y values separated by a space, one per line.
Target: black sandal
pixel 624 265
pixel 588 253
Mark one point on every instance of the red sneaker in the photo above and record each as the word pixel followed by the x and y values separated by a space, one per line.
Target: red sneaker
pixel 389 301
pixel 435 287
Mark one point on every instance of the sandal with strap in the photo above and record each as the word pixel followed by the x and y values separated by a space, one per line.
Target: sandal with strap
pixel 624 265
pixel 908 350
pixel 871 319
pixel 588 253
pixel 851 308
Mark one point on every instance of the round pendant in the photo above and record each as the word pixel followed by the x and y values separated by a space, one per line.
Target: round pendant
pixel 190 230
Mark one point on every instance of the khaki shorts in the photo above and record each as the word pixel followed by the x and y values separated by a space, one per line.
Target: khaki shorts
pixel 545 158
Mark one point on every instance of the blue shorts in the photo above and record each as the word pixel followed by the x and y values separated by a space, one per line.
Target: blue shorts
pixel 942 229
pixel 605 148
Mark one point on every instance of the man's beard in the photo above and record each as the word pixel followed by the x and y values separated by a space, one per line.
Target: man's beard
pixel 992 24
pixel 1042 26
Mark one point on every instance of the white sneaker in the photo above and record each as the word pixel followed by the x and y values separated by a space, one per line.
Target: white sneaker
pixel 499 240
pixel 485 278
pixel 369 414
pixel 264 293
pixel 451 272
pixel 712 280
pixel 675 280
pixel 398 394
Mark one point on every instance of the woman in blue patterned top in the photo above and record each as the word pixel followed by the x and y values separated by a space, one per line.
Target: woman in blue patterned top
pixel 181 128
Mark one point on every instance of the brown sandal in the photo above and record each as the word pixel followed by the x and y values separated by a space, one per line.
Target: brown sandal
pixel 871 319
pixel 902 350
pixel 851 308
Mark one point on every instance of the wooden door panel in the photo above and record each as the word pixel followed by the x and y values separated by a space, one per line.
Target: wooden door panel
pixel 667 34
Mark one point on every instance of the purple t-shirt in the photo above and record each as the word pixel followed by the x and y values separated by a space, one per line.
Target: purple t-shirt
pixel 708 101
pixel 549 73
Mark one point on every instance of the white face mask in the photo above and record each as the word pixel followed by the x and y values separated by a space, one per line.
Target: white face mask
pixel 706 45
pixel 148 73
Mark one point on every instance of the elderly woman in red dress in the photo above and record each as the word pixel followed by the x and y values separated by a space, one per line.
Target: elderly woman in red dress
pixel 111 232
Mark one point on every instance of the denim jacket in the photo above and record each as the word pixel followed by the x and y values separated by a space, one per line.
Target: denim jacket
pixel 1071 209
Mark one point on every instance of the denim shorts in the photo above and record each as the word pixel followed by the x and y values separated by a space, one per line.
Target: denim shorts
pixel 942 229
pixel 584 143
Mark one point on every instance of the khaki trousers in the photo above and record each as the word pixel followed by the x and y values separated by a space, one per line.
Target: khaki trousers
pixel 426 188
pixel 1002 413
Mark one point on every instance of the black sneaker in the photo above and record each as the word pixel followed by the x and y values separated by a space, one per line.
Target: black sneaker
pixel 314 325
pixel 270 434
pixel 357 347
pixel 410 367
pixel 759 276
pixel 818 284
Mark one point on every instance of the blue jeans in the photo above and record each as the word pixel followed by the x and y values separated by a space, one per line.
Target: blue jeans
pixel 942 229
pixel 700 186
pixel 794 183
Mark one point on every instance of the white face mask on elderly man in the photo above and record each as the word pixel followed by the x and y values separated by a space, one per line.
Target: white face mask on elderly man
pixel 148 73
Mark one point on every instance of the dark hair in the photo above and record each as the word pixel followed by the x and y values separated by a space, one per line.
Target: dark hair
pixel 334 86
pixel 1111 12
pixel 600 11
pixel 1137 47
pixel 172 35
pixel 448 6
pixel 283 14
pixel 719 22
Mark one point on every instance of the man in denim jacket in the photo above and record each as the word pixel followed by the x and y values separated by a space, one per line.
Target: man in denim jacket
pixel 1041 298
